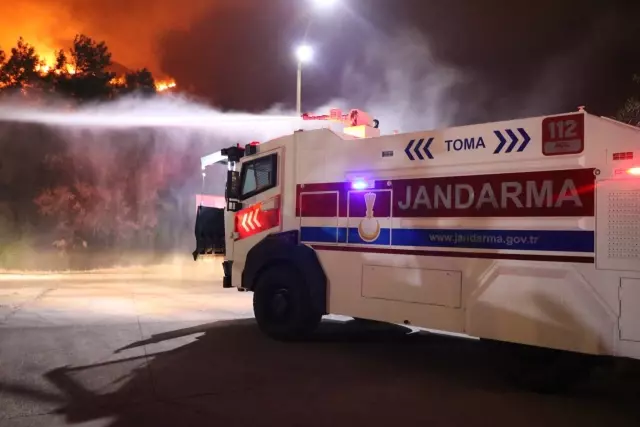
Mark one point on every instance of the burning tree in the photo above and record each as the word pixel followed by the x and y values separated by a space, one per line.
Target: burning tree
pixel 21 68
pixel 88 76
pixel 140 81
pixel 83 73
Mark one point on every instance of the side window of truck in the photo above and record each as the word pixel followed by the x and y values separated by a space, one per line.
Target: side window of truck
pixel 259 175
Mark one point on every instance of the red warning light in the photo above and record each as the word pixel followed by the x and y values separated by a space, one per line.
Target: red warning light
pixel 623 156
pixel 258 218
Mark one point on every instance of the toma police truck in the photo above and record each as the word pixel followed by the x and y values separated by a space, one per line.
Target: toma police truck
pixel 523 231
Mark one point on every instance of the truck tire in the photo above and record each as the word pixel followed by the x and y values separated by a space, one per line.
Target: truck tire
pixel 283 305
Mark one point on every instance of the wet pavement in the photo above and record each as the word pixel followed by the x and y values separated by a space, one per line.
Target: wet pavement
pixel 168 347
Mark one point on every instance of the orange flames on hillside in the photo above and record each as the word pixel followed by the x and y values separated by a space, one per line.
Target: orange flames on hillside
pixel 161 85
pixel 164 85
pixel 45 69
pixel 48 65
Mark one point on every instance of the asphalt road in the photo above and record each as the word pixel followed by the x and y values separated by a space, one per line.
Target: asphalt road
pixel 163 347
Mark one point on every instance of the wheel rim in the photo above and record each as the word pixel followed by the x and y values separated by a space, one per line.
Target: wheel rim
pixel 280 305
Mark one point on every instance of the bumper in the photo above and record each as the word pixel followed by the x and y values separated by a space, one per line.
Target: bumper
pixel 226 280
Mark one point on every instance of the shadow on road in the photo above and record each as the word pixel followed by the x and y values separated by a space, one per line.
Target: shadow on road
pixel 349 374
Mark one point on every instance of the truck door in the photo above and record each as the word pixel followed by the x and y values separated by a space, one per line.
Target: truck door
pixel 260 190
pixel 210 232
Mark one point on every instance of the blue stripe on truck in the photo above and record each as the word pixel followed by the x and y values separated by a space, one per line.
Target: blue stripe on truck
pixel 521 240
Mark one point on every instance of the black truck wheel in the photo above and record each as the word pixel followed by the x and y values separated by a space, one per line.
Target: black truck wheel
pixel 283 306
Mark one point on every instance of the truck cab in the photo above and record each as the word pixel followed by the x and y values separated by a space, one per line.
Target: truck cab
pixel 260 227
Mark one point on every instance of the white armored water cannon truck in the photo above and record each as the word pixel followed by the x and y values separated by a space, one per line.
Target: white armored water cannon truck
pixel 523 233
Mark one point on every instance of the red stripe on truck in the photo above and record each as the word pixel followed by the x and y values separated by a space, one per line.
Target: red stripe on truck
pixel 558 193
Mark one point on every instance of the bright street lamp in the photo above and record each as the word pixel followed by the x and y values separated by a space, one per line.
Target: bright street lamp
pixel 304 54
pixel 325 3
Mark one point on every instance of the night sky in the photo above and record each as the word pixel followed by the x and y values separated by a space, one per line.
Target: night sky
pixel 482 59
pixel 440 62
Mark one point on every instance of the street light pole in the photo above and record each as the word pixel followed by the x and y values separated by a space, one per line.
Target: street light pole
pixel 299 92
pixel 303 54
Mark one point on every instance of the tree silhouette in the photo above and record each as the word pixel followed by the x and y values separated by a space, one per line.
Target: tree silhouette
pixel 140 81
pixel 21 69
pixel 61 62
pixel 630 111
pixel 84 74
pixel 90 57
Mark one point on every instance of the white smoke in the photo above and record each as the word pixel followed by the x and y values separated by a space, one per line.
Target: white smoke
pixel 414 92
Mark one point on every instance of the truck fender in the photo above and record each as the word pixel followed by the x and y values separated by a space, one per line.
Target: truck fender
pixel 281 251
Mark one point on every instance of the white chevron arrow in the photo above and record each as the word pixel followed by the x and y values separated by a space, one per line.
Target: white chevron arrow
pixel 244 222
pixel 255 219
pixel 250 220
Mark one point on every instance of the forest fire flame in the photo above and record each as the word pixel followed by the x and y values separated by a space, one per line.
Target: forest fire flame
pixel 161 85
pixel 45 69
pixel 164 85
pixel 48 65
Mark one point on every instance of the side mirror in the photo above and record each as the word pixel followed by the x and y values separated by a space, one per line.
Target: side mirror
pixel 232 190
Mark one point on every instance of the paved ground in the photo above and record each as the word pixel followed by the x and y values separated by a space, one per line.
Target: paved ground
pixel 160 348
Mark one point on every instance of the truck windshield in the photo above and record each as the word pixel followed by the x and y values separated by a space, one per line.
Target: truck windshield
pixel 259 175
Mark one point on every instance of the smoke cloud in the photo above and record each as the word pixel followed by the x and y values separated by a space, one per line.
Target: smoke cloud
pixel 409 89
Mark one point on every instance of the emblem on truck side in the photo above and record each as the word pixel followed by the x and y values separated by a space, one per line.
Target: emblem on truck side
pixel 369 228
